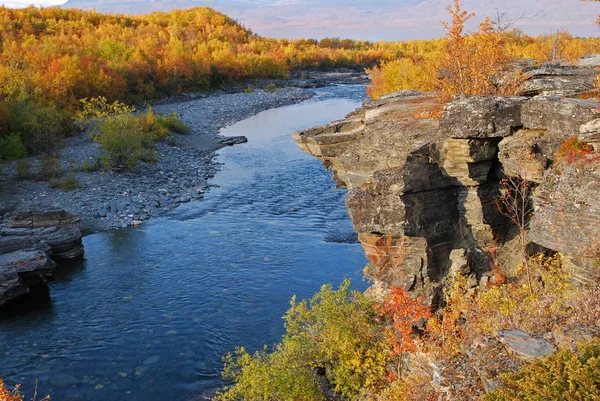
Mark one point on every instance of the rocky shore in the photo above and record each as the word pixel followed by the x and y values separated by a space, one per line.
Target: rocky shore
pixel 116 199
pixel 423 193
pixel 31 245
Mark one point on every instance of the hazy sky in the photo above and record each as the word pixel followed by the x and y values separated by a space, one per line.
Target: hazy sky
pixel 362 19
pixel 25 3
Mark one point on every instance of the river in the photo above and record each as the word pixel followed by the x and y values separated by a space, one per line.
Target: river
pixel 151 310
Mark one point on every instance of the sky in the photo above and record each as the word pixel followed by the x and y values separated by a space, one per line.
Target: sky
pixel 362 19
pixel 24 3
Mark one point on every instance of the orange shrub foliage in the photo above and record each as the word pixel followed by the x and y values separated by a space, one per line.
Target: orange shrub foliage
pixel 6 395
pixel 477 63
pixel 405 312
pixel 573 152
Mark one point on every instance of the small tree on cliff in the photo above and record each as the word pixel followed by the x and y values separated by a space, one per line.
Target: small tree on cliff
pixel 516 204
pixel 475 64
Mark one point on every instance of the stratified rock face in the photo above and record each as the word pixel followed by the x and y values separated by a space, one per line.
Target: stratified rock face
pixel 30 245
pixel 354 148
pixel 556 80
pixel 567 215
pixel 424 195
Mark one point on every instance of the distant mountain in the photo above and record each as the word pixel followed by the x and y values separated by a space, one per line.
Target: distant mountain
pixel 373 20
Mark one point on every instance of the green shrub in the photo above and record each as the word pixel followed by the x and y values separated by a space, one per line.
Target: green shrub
pixel 173 123
pixel 24 170
pixel 68 183
pixel 123 141
pixel 564 375
pixel 127 139
pixel 42 128
pixel 49 168
pixel 337 335
pixel 12 147
pixel 249 89
pixel 89 166
pixel 271 88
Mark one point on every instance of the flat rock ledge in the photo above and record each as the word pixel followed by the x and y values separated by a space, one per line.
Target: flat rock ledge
pixel 32 244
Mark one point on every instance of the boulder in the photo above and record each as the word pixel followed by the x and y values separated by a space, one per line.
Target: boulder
pixel 590 60
pixel 569 336
pixel 560 118
pixel 482 116
pixel 558 80
pixel 524 345
pixel 20 270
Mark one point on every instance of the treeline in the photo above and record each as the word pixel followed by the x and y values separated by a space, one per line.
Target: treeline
pixel 418 65
pixel 51 59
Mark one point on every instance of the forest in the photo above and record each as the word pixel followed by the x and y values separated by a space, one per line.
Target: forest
pixel 51 59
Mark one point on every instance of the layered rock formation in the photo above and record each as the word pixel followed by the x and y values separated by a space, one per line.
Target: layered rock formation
pixel 31 245
pixel 424 194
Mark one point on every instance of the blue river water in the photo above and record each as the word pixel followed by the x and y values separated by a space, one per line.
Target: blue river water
pixel 150 312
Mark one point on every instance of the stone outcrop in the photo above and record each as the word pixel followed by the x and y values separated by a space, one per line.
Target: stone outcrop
pixel 31 245
pixel 524 345
pixel 559 80
pixel 423 194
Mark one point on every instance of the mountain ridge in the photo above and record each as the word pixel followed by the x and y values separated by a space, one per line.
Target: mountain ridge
pixel 307 17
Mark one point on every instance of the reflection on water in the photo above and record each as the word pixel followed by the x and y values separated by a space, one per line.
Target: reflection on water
pixel 149 313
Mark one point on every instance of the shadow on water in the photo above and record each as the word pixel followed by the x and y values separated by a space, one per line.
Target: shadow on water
pixel 152 309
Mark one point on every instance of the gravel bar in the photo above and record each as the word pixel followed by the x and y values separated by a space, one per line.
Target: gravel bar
pixel 117 199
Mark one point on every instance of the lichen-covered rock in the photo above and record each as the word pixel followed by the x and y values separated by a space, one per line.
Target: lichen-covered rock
pixel 590 133
pixel 424 196
pixel 590 60
pixel 567 215
pixel 557 80
pixel 569 336
pixel 379 136
pixel 560 118
pixel 521 155
pixel 524 345
pixel 482 116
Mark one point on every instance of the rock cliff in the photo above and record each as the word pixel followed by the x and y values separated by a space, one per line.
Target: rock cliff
pixel 424 194
pixel 31 245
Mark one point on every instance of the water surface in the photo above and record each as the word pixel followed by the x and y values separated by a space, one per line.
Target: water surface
pixel 150 312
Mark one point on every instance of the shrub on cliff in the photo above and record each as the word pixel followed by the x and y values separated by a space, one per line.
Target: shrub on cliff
pixel 574 152
pixel 474 64
pixel 335 336
pixel 564 375
pixel 6 395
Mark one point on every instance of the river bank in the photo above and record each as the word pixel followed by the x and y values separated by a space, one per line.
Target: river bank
pixel 151 310
pixel 110 199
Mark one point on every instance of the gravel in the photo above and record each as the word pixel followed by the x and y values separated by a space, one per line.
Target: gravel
pixel 117 199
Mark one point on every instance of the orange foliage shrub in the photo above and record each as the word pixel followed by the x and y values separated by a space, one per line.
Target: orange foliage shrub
pixel 6 395
pixel 573 152
pixel 405 313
